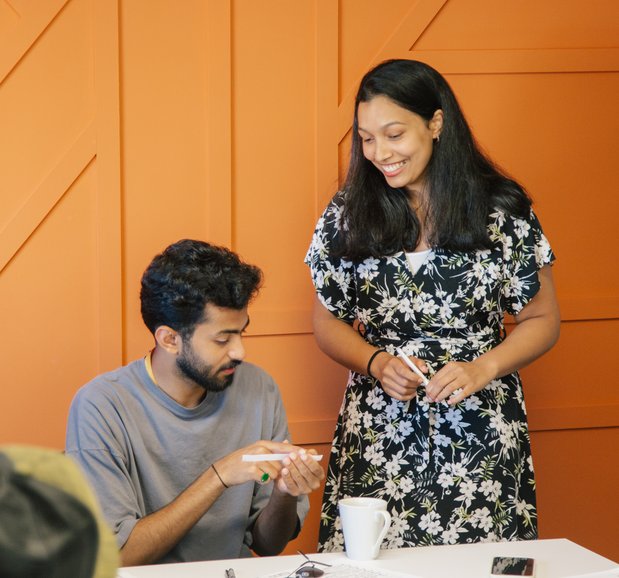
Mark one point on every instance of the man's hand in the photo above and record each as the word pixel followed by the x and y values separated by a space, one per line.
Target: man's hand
pixel 300 474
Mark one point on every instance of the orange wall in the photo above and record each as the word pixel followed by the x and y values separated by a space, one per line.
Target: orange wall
pixel 127 125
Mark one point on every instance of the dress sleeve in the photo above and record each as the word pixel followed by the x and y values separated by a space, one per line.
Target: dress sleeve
pixel 525 251
pixel 333 277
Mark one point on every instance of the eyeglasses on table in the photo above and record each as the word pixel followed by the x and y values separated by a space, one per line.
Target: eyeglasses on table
pixel 308 569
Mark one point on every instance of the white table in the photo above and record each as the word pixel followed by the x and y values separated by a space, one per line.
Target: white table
pixel 554 559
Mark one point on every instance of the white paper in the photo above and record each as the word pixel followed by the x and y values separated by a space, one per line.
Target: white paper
pixel 273 457
pixel 350 571
pixel 612 573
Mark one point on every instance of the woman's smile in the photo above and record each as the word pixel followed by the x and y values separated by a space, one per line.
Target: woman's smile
pixel 388 132
pixel 392 169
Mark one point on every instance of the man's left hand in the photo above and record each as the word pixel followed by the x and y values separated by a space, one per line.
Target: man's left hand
pixel 301 473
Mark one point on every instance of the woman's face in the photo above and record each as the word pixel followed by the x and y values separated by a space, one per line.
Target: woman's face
pixel 396 141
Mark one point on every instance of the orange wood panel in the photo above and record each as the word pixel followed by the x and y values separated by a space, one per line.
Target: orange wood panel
pixel 109 221
pixel 165 114
pixel 481 25
pixel 312 385
pixel 522 120
pixel 363 32
pixel 326 81
pixel 48 298
pixel 514 61
pixel 21 24
pixel 218 128
pixel 576 372
pixel 37 205
pixel 54 224
pixel 577 476
pixel 47 104
pixel 274 151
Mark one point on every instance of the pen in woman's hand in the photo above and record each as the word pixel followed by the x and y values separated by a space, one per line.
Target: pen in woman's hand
pixel 412 366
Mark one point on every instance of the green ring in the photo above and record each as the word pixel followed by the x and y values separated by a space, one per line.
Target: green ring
pixel 264 478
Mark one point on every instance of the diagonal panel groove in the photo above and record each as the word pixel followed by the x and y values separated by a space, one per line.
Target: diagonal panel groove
pixel 45 197
pixel 12 8
pixel 538 60
pixel 35 19
pixel 419 17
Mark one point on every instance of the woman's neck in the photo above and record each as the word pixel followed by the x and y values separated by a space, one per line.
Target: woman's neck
pixel 417 203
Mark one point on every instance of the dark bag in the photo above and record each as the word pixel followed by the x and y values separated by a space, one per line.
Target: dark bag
pixel 44 531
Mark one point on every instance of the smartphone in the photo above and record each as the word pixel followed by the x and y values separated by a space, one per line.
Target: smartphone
pixel 505 566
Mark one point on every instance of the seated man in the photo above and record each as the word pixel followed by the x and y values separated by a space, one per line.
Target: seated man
pixel 162 438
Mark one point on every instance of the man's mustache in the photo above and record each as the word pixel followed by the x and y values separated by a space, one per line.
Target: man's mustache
pixel 231 365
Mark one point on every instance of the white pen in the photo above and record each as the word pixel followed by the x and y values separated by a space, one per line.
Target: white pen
pixel 273 457
pixel 410 364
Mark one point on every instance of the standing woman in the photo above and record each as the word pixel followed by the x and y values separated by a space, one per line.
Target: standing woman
pixel 425 249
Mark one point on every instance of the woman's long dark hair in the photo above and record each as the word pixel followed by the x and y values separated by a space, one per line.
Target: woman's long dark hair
pixel 464 185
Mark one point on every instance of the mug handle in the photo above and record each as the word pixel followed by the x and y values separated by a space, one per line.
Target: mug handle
pixel 383 532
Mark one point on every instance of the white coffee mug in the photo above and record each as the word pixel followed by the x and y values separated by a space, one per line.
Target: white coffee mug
pixel 365 522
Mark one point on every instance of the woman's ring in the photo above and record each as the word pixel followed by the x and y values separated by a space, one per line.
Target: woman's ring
pixel 264 478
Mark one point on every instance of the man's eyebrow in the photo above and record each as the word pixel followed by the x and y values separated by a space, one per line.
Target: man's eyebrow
pixel 234 331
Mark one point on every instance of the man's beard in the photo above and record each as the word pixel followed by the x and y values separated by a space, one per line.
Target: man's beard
pixel 202 373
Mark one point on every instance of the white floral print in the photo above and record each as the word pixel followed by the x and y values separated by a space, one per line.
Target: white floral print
pixel 449 474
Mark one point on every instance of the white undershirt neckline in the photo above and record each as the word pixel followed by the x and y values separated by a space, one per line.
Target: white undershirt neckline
pixel 417 258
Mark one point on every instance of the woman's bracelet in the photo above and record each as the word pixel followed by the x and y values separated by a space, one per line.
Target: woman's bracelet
pixel 217 474
pixel 372 359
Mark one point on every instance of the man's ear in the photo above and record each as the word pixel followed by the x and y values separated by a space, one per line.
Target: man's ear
pixel 168 339
pixel 436 124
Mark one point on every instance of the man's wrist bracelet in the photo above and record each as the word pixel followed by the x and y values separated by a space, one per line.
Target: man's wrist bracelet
pixel 372 359
pixel 217 474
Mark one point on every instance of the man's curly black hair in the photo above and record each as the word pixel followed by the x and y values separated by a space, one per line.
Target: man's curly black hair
pixel 189 274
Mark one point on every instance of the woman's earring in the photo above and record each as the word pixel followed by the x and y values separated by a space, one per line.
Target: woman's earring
pixel 437 138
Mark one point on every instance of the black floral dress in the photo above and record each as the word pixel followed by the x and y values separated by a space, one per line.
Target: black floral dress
pixel 449 474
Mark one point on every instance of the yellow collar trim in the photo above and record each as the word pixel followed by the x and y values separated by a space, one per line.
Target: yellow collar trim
pixel 149 366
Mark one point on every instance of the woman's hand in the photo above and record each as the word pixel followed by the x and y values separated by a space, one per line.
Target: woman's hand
pixel 536 331
pixel 457 380
pixel 396 379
